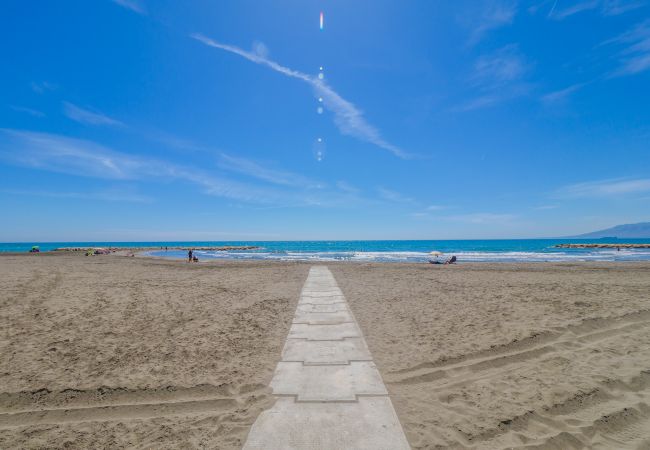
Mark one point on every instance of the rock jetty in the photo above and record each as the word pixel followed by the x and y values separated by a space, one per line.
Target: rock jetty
pixel 602 246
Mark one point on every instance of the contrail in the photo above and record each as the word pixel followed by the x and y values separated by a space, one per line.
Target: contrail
pixel 347 117
pixel 552 9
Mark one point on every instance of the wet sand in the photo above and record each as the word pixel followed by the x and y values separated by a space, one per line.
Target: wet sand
pixel 118 352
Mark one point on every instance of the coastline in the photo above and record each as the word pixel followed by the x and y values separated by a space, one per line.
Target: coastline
pixel 508 250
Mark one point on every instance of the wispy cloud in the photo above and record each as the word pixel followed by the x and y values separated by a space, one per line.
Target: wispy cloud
pixel 394 196
pixel 111 195
pixel 66 155
pixel 472 219
pixel 88 117
pixel 634 55
pixel 264 172
pixel 30 111
pixel 559 13
pixel 485 218
pixel 84 158
pixel 348 118
pixel 347 187
pixel 88 159
pixel 40 87
pixel 175 142
pixel 497 77
pixel 499 68
pixel 618 7
pixel 430 212
pixel 616 187
pixel 481 102
pixel 489 15
pixel 543 5
pixel 134 5
pixel 560 95
pixel 603 7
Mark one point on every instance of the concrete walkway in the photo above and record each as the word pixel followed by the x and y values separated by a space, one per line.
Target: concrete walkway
pixel 329 392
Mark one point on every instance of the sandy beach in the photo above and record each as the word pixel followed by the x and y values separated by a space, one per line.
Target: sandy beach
pixel 118 352
pixel 497 356
pixel 159 354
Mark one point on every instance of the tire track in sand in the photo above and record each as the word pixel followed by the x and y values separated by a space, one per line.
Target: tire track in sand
pixel 616 412
pixel 485 364
pixel 117 404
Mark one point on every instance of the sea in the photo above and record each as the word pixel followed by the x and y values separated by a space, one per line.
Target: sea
pixel 507 250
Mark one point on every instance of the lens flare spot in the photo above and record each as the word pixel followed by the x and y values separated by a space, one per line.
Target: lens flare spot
pixel 319 110
pixel 318 149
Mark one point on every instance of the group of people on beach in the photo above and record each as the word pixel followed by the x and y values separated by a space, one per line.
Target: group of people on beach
pixel 191 257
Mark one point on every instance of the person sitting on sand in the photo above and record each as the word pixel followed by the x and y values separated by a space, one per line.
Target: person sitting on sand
pixel 195 258
pixel 451 260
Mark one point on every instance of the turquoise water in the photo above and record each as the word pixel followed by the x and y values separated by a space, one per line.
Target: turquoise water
pixel 510 250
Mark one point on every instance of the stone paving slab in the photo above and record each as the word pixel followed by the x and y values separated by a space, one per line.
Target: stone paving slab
pixel 310 296
pixel 321 300
pixel 338 298
pixel 369 424
pixel 329 393
pixel 321 308
pixel 324 332
pixel 327 383
pixel 315 318
pixel 321 280
pixel 318 290
pixel 321 293
pixel 326 352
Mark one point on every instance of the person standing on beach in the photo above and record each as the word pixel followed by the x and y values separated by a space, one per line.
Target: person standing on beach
pixel 189 255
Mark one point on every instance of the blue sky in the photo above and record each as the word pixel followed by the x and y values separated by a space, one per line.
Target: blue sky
pixel 148 120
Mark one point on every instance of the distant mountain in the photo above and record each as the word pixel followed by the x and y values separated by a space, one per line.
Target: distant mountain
pixel 627 231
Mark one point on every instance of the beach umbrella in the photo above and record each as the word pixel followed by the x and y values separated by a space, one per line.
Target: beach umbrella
pixel 435 253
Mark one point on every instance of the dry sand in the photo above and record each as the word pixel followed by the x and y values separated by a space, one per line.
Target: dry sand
pixel 497 356
pixel 113 352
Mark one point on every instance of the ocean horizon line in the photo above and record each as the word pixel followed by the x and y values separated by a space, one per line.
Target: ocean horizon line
pixel 183 241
